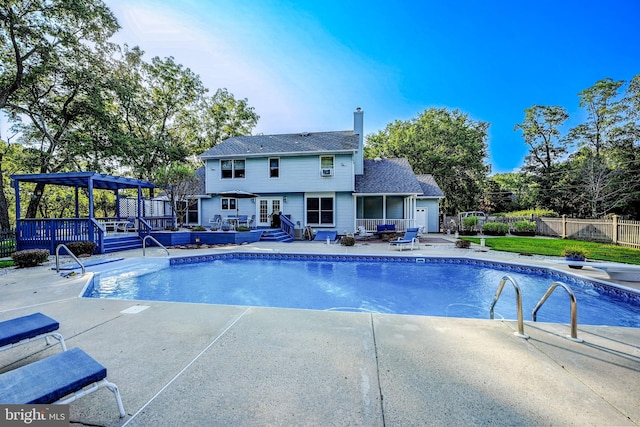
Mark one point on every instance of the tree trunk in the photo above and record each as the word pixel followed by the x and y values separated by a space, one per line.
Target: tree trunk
pixel 34 202
pixel 5 225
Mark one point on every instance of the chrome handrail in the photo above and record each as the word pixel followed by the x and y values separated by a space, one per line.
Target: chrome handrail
pixel 520 332
pixel 574 308
pixel 62 245
pixel 144 244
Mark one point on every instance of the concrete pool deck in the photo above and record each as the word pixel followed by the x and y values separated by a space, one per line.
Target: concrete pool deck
pixel 209 365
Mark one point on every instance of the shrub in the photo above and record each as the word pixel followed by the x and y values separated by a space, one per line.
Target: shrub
pixel 30 257
pixel 82 247
pixel 347 241
pixel 525 226
pixel 243 228
pixel 495 228
pixel 534 212
pixel 463 244
pixel 198 228
pixel 469 222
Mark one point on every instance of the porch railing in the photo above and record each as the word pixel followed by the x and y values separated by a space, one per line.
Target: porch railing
pixel 287 226
pixel 372 224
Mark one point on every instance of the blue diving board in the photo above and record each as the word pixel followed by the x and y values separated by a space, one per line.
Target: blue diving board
pixel 68 267
pixel 72 373
pixel 23 329
pixel 324 235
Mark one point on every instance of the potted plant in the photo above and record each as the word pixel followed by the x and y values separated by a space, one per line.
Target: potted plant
pixel 575 253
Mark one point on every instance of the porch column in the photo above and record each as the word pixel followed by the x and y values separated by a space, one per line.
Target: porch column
pixel 117 195
pixel 16 188
pixel 384 208
pixel 90 191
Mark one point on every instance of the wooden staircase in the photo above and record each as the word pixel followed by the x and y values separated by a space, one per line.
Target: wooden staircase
pixel 275 235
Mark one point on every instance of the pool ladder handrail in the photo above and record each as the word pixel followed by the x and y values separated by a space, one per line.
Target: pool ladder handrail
pixel 62 245
pixel 144 244
pixel 574 308
pixel 520 333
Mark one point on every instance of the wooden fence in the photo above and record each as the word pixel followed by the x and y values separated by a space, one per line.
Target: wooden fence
pixel 611 230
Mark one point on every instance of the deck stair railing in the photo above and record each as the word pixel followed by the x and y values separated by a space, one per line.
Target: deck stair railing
pixel 144 244
pixel 520 333
pixel 287 226
pixel 574 308
pixel 72 256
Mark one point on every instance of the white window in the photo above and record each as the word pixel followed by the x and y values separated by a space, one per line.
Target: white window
pixel 232 169
pixel 326 166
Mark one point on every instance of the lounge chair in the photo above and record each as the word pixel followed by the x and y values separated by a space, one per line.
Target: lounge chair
pixel 22 330
pixel 410 239
pixel 59 379
pixel 363 233
pixel 322 236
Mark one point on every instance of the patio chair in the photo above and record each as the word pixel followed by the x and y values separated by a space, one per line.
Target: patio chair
pixel 22 330
pixel 243 220
pixel 59 379
pixel 410 239
pixel 363 233
pixel 252 222
pixel 215 222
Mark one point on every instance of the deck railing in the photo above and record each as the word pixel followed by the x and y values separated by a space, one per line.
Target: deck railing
pixel 48 233
pixel 287 226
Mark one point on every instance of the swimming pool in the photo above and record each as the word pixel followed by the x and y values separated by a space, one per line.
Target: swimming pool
pixel 432 286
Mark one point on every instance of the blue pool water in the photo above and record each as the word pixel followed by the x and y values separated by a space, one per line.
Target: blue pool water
pixel 398 285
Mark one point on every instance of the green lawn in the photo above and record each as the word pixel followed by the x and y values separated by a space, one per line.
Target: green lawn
pixel 556 247
pixel 6 263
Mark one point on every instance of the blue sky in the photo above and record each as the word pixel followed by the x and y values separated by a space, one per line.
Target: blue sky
pixel 306 65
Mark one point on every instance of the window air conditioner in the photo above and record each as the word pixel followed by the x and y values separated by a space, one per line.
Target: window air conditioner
pixel 327 172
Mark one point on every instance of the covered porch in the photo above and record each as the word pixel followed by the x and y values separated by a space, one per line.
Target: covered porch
pixel 109 233
pixel 380 209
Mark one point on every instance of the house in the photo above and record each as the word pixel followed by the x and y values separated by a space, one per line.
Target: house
pixel 318 180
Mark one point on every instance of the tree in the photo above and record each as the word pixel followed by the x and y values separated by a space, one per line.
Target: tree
pixel 595 187
pixel 35 38
pixel 156 102
pixel 603 116
pixel 221 117
pixel 541 132
pixel 57 113
pixel 180 184
pixel 448 145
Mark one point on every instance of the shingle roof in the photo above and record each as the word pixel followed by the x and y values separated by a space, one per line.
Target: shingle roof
pixel 429 186
pixel 200 174
pixel 261 145
pixel 387 176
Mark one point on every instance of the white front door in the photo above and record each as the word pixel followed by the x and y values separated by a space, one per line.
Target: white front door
pixel 266 207
pixel 421 219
